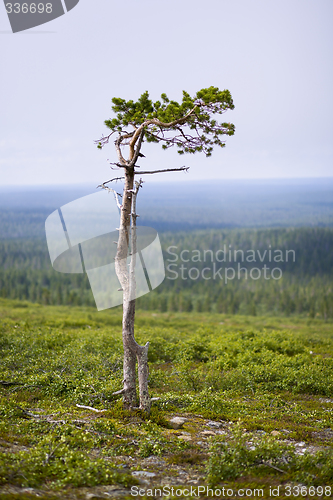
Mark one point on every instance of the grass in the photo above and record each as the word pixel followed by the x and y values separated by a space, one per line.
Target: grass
pixel 267 384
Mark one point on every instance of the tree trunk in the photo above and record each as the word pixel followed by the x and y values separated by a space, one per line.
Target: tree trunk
pixel 132 350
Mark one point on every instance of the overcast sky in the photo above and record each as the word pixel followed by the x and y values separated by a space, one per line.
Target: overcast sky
pixel 275 57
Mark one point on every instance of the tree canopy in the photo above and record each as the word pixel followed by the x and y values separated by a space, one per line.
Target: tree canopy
pixel 191 125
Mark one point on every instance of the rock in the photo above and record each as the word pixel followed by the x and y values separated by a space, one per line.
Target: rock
pixel 143 473
pixel 324 434
pixel 214 425
pixel 177 422
pixel 185 437
pixel 115 492
pixel 300 448
pixel 275 433
pixel 207 433
pixel 111 491
pixel 155 460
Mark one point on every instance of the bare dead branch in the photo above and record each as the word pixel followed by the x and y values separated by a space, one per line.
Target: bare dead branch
pixel 111 180
pixel 115 194
pixel 117 165
pixel 164 170
pixel 118 392
pixel 90 408
pixel 103 140
pixel 273 467
pixel 51 454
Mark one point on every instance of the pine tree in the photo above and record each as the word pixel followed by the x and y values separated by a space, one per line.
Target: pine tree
pixel 192 127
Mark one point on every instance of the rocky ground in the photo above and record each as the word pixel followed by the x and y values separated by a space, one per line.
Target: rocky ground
pixel 156 475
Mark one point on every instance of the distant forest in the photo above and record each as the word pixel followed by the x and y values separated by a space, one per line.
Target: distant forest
pixel 202 220
pixel 306 285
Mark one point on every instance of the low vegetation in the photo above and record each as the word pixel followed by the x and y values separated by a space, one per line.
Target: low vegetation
pixel 256 393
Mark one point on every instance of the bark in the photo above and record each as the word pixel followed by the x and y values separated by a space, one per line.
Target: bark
pixel 143 375
pixel 132 350
pixel 141 352
pixel 129 397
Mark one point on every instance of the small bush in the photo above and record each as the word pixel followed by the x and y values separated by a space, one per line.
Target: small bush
pixel 55 462
pixel 235 458
pixel 245 453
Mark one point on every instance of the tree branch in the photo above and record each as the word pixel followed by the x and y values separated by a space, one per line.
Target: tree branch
pixel 115 194
pixel 137 151
pixel 103 140
pixel 164 170
pixel 121 391
pixel 273 467
pixel 111 180
pixel 156 121
pixel 117 143
pixel 90 408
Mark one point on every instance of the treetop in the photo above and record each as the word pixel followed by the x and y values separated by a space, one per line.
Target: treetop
pixel 191 125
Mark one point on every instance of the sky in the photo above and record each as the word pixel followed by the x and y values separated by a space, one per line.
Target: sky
pixel 276 58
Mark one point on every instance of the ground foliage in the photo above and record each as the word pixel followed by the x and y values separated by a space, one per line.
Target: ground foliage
pixel 267 384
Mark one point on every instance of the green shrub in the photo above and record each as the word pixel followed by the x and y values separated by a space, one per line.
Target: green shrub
pixel 235 458
pixel 57 463
pixel 246 453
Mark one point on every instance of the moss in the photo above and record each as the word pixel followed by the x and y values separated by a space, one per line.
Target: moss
pixel 26 496
pixel 190 456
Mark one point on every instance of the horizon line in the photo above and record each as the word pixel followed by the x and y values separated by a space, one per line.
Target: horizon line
pixel 219 179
